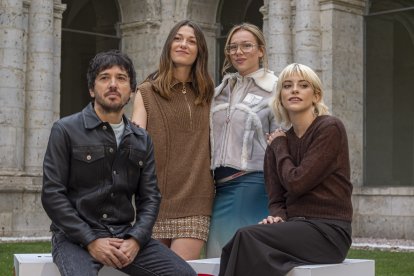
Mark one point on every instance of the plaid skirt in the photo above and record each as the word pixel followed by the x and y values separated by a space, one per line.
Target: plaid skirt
pixel 196 227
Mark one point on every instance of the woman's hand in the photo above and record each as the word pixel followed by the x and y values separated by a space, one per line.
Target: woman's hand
pixel 271 220
pixel 278 132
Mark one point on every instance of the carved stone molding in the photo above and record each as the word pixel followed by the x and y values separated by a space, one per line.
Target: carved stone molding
pixel 350 6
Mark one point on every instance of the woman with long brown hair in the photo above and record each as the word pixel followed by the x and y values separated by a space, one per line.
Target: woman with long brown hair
pixel 173 104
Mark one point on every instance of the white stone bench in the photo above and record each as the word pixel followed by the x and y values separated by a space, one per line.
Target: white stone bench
pixel 350 267
pixel 42 265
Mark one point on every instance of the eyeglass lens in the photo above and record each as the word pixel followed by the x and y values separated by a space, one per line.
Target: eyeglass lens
pixel 244 47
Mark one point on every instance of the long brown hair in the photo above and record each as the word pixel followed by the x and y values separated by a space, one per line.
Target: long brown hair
pixel 202 83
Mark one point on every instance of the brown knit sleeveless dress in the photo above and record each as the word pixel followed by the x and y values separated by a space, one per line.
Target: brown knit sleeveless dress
pixel 180 133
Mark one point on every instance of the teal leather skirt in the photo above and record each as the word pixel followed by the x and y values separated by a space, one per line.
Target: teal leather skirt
pixel 238 202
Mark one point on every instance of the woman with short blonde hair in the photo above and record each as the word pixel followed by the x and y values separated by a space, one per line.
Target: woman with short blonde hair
pixel 282 116
pixel 307 175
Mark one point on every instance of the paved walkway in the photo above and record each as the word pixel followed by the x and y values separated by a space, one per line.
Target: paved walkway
pixel 383 244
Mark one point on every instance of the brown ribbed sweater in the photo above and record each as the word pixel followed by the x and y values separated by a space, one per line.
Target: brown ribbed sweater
pixel 310 176
pixel 180 133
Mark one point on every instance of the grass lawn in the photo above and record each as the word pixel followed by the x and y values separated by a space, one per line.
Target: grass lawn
pixel 8 249
pixel 386 263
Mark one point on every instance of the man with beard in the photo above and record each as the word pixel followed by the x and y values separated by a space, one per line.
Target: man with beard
pixel 97 166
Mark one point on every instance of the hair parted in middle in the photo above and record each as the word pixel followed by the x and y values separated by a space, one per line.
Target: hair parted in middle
pixel 260 40
pixel 202 83
pixel 306 73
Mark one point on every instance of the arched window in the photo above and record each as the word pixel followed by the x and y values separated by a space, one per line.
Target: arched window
pixel 88 27
pixel 389 98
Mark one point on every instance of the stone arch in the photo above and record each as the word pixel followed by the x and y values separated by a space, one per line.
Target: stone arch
pixel 88 27
pixel 389 58
pixel 404 18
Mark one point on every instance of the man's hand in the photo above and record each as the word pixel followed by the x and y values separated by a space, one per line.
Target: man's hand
pixel 271 220
pixel 130 249
pixel 107 251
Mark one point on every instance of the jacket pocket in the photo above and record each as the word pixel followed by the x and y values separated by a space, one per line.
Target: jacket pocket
pixel 249 143
pixel 137 157
pixel 137 161
pixel 88 154
pixel 87 166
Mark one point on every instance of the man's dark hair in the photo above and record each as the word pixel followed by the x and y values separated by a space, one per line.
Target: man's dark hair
pixel 105 60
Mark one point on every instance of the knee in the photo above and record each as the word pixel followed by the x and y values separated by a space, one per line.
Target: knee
pixel 241 232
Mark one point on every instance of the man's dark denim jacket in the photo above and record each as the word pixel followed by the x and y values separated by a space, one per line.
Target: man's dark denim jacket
pixel 89 182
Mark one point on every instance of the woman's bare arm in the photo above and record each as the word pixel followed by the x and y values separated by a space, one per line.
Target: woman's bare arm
pixel 139 114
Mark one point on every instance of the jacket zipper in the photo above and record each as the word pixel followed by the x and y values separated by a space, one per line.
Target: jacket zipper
pixel 184 91
pixel 223 151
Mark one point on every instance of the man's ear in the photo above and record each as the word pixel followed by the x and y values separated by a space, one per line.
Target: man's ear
pixel 92 93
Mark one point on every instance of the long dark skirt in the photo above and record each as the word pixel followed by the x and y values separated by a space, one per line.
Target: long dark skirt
pixel 274 249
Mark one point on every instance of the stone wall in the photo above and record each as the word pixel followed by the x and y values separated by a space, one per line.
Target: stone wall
pixel 383 213
pixel 21 211
pixel 325 34
pixel 378 212
pixel 30 37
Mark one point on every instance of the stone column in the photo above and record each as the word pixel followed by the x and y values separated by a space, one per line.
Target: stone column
pixel 210 31
pixel 265 11
pixel 39 83
pixel 142 45
pixel 57 57
pixel 11 86
pixel 308 34
pixel 343 71
pixel 279 39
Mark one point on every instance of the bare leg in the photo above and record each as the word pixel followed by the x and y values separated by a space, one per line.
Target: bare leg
pixel 166 242
pixel 187 248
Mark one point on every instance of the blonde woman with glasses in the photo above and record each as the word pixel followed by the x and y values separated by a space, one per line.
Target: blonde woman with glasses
pixel 240 119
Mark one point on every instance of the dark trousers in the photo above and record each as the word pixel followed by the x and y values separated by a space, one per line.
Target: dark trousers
pixel 154 259
pixel 274 249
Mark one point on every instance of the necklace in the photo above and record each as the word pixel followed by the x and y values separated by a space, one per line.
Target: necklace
pixel 184 90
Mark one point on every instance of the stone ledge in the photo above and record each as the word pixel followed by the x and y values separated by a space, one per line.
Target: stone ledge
pixel 22 183
pixel 385 191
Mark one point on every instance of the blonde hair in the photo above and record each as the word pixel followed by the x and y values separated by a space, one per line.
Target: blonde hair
pixel 305 72
pixel 261 43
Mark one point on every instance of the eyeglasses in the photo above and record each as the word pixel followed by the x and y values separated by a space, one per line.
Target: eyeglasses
pixel 245 47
